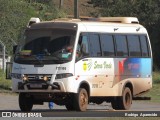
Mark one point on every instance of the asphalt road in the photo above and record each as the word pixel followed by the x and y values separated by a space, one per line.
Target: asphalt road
pixel 9 103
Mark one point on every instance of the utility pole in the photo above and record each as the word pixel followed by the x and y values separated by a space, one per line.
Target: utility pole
pixel 4 54
pixel 4 57
pixel 76 13
pixel 61 4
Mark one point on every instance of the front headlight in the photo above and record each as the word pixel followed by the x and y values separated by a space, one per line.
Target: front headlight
pixel 24 77
pixel 45 78
pixel 64 75
pixel 19 76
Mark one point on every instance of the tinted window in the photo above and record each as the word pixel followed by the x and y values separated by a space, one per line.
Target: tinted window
pixel 94 45
pixel 134 45
pixel 85 42
pixel 121 45
pixel 144 46
pixel 107 45
pixel 82 47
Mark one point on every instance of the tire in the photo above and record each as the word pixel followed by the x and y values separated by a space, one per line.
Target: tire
pixel 124 102
pixel 115 103
pixel 70 107
pixel 25 102
pixel 70 103
pixel 81 100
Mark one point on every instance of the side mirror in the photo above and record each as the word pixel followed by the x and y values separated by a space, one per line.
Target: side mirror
pixel 14 49
pixel 8 70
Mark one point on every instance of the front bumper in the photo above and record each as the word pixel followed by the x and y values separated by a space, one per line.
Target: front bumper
pixel 40 87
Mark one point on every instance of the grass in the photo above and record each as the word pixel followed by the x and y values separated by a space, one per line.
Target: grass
pixel 154 93
pixel 4 84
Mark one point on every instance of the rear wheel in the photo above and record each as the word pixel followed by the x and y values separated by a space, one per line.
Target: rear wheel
pixel 25 102
pixel 124 102
pixel 127 99
pixel 81 100
pixel 115 103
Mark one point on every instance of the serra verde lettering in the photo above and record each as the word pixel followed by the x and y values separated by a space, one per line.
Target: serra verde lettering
pixel 104 65
pixel 87 66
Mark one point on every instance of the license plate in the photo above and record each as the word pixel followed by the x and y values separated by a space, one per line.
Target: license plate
pixel 35 85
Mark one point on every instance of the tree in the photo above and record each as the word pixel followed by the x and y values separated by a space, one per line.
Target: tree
pixel 15 15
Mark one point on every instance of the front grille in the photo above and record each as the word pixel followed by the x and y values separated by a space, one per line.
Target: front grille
pixel 37 77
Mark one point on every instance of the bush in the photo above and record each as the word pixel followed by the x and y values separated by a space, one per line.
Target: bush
pixel 4 84
pixel 156 77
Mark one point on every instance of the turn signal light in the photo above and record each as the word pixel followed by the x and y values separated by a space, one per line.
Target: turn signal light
pixel 25 78
pixel 45 78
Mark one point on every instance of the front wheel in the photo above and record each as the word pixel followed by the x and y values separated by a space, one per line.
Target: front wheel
pixel 70 103
pixel 81 100
pixel 25 102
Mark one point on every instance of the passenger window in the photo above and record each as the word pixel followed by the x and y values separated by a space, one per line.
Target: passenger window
pixel 134 45
pixel 85 42
pixel 82 47
pixel 121 45
pixel 107 45
pixel 144 46
pixel 94 46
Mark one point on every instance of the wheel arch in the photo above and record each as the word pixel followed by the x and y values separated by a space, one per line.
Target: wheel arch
pixel 86 86
pixel 130 86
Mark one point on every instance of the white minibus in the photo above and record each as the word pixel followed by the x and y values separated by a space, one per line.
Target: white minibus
pixel 74 62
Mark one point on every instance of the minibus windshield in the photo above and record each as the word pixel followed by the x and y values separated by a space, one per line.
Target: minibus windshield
pixel 46 46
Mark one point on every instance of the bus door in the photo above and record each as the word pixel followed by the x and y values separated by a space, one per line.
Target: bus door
pixel 92 66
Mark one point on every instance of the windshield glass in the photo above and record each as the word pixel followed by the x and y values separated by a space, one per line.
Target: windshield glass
pixel 46 46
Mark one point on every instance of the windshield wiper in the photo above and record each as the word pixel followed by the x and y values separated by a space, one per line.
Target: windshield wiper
pixel 38 58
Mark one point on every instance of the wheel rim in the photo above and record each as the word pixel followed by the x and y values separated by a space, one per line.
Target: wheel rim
pixel 83 100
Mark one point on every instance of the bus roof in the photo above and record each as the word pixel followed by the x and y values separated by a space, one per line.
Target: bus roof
pixel 91 24
pixel 86 20
pixel 130 20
